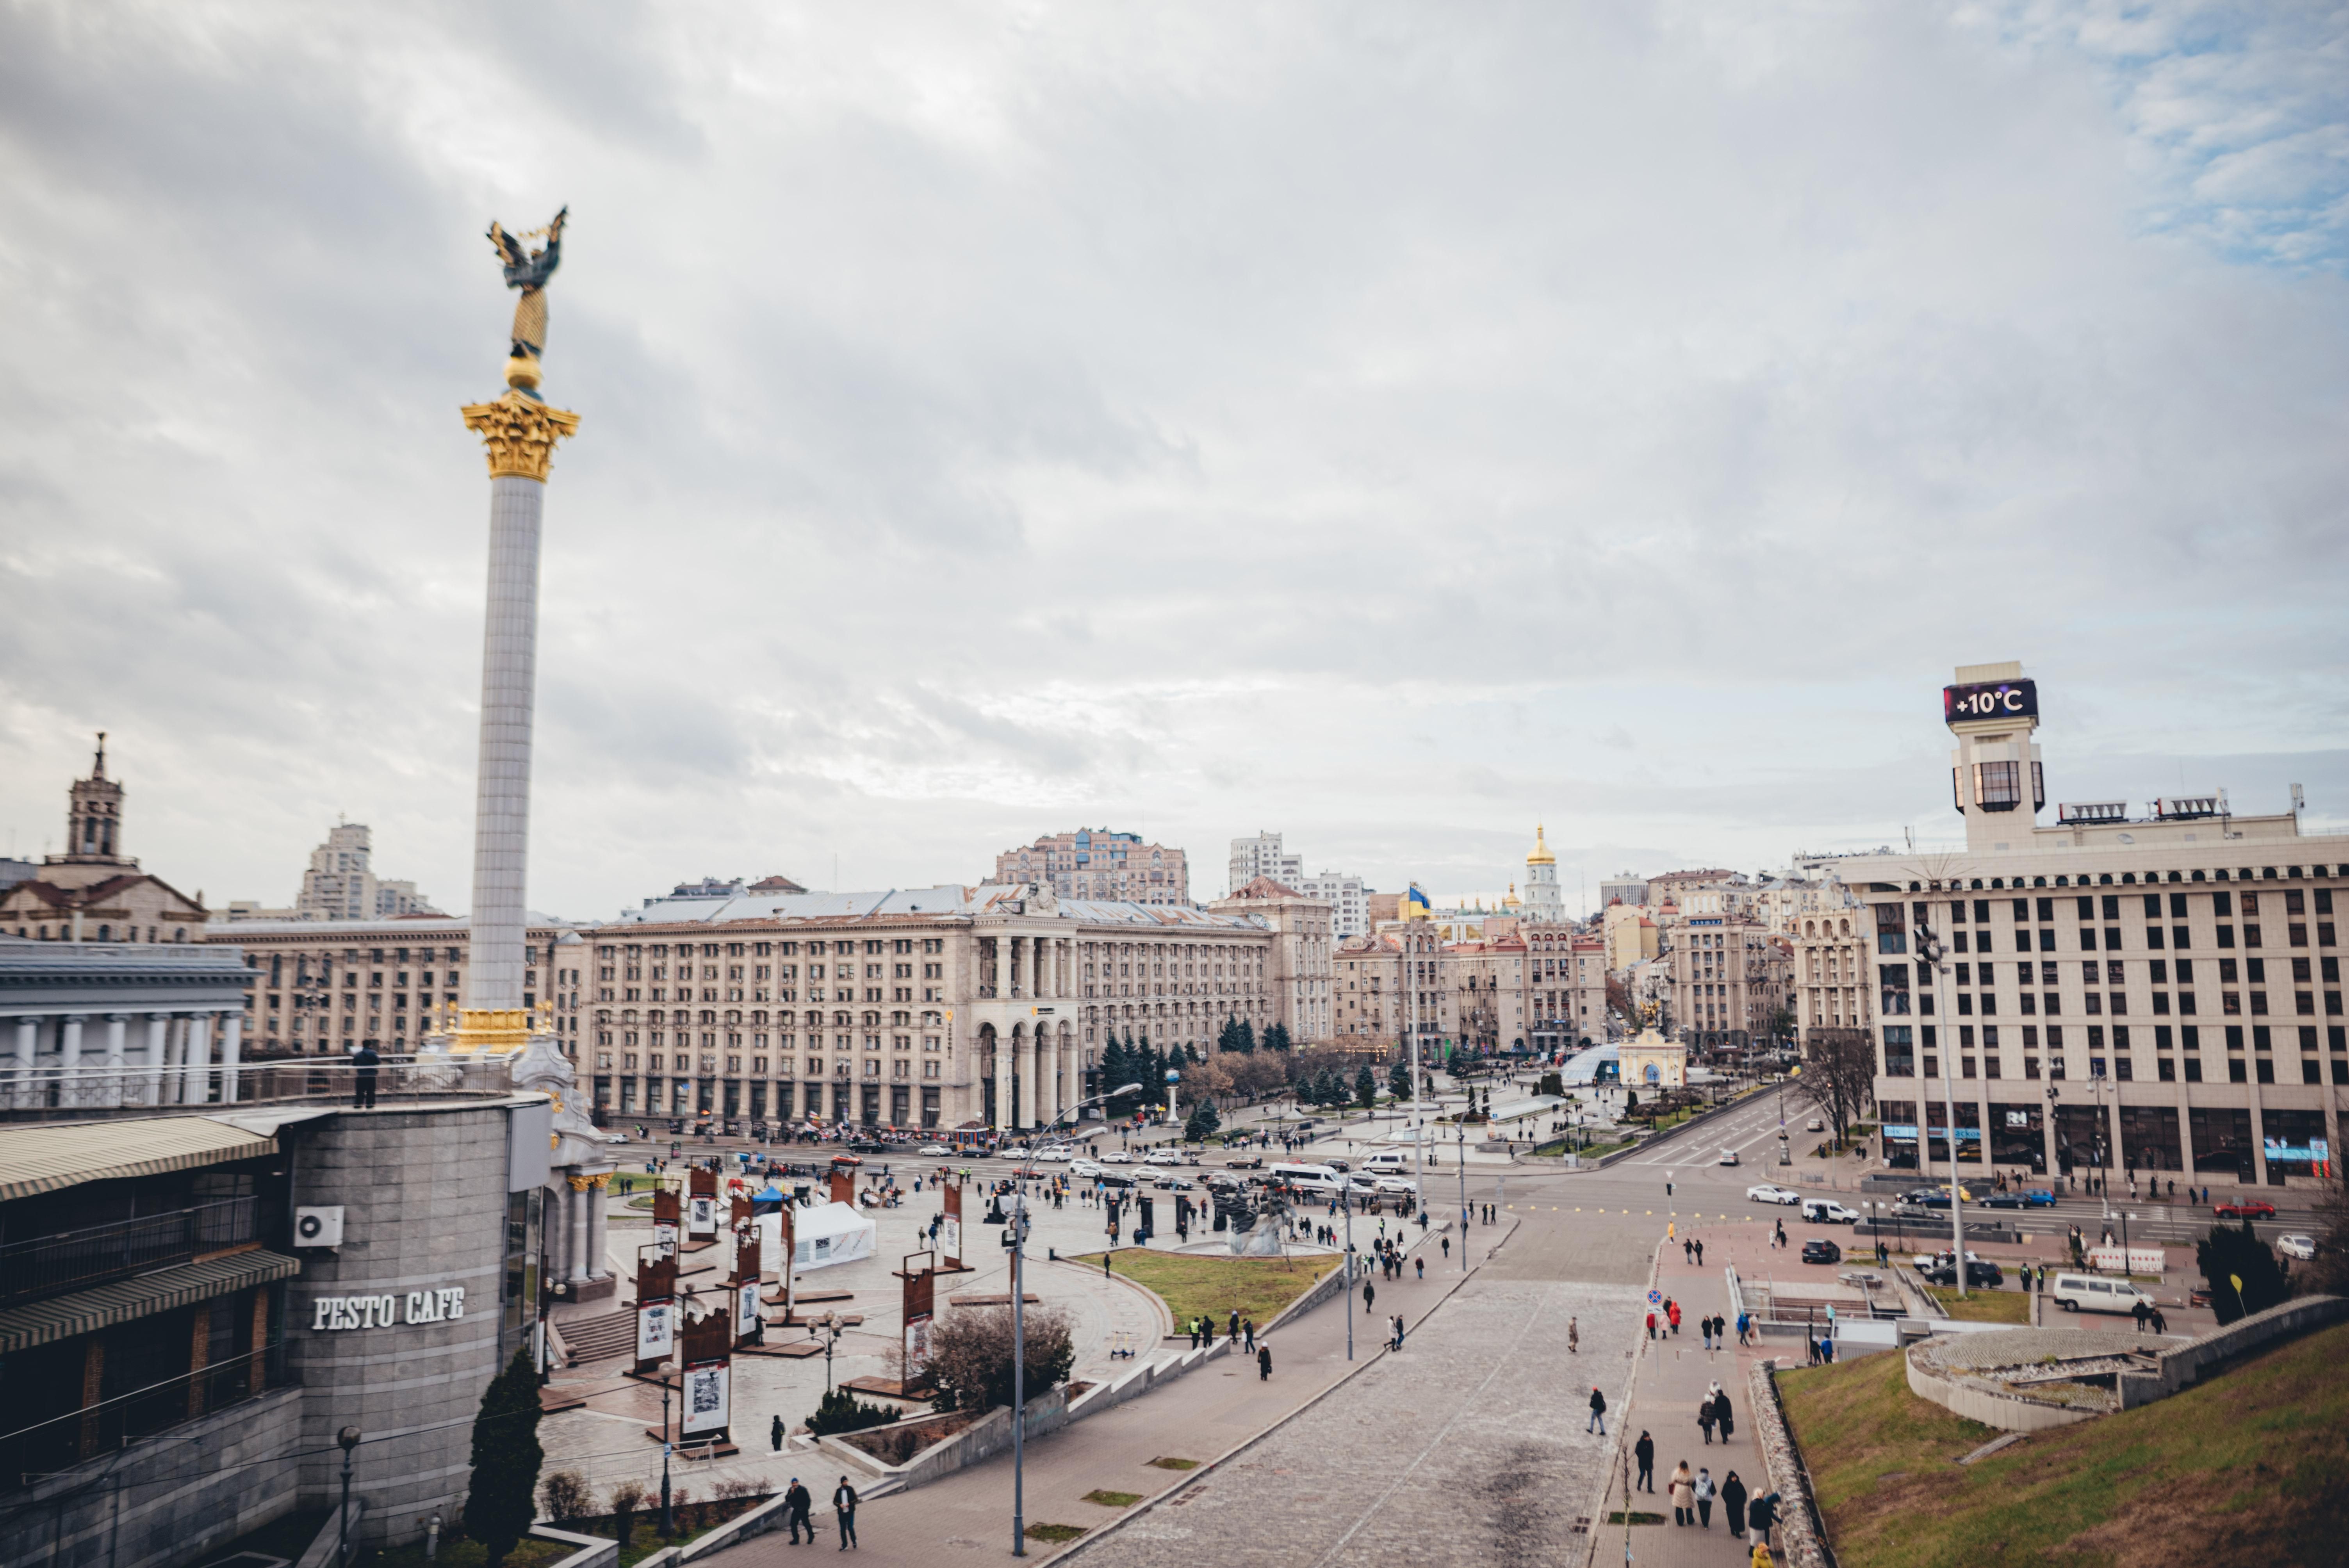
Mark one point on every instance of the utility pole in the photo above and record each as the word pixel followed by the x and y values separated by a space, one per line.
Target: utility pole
pixel 1346 1202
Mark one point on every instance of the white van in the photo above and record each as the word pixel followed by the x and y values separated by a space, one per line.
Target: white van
pixel 1310 1178
pixel 2087 1293
pixel 1827 1211
pixel 1388 1162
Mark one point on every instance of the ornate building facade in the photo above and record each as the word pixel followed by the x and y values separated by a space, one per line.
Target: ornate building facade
pixel 93 891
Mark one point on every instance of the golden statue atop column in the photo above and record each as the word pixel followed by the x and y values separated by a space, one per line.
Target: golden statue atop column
pixel 520 430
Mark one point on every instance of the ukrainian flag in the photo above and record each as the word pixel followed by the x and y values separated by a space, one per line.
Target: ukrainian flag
pixel 1417 900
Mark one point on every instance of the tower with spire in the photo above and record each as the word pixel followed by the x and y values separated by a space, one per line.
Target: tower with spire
pixel 1541 896
pixel 93 819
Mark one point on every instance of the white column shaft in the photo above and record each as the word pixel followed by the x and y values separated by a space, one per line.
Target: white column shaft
pixel 493 978
pixel 29 1045
pixel 232 1044
pixel 599 1241
pixel 158 1047
pixel 70 1060
pixel 114 1057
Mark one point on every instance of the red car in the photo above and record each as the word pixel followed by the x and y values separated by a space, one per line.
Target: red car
pixel 847 1160
pixel 2256 1209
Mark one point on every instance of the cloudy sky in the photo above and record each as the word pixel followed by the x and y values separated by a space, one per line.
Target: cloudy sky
pixel 1388 424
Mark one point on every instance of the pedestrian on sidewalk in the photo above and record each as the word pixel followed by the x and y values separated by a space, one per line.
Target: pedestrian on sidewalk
pixel 1722 1414
pixel 1423 1266
pixel 1651 1326
pixel 1247 1328
pixel 1760 1515
pixel 1688 1251
pixel 1703 1499
pixel 1699 1255
pixel 1598 1412
pixel 1447 1249
pixel 1704 1418
pixel 1733 1504
pixel 1682 1487
pixel 1264 1363
pixel 1644 1450
pixel 1573 1336
pixel 1673 1311
pixel 1704 1327
pixel 1369 1294
pixel 775 1434
pixel 797 1502
pixel 844 1504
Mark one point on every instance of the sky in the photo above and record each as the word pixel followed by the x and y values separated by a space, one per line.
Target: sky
pixel 1391 426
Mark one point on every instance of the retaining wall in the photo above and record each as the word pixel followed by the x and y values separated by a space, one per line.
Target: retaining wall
pixel 1801 1537
pixel 2182 1368
pixel 2007 1412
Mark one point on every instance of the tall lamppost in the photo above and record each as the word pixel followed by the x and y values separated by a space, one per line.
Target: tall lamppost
pixel 349 1439
pixel 1929 948
pixel 1015 1236
pixel 1460 1136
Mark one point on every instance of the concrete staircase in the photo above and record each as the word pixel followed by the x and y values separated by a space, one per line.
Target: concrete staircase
pixel 586 1339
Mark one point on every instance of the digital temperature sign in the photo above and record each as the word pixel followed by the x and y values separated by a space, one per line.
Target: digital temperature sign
pixel 1990 700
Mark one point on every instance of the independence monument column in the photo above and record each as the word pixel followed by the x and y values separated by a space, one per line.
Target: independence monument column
pixel 520 430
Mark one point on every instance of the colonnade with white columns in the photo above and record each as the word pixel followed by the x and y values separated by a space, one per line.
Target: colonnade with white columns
pixel 171 1056
pixel 577 1229
pixel 1037 1044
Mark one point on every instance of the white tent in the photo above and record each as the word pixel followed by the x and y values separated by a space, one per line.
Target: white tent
pixel 826 1234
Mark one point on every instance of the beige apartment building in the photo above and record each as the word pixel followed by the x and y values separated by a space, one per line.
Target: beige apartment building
pixel 1831 968
pixel 2151 990
pixel 1567 982
pixel 1303 947
pixel 334 985
pixel 1729 978
pixel 1631 934
pixel 1097 863
pixel 937 1007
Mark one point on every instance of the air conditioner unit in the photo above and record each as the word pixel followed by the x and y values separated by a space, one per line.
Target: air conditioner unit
pixel 318 1227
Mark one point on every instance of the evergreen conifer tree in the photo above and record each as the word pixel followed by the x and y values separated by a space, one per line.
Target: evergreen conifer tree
pixel 1247 1041
pixel 500 1504
pixel 1275 1037
pixel 1399 1080
pixel 1366 1087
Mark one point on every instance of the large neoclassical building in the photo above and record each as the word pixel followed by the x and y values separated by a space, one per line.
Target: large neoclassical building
pixel 930 1008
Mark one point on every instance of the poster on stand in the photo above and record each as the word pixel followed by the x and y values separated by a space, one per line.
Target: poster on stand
pixel 656 1331
pixel 950 1228
pixel 745 1309
pixel 705 1394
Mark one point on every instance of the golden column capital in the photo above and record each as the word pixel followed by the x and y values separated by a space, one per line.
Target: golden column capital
pixel 519 432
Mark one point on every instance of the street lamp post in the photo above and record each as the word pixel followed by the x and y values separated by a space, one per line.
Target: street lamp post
pixel 1346 1203
pixel 1929 949
pixel 668 1518
pixel 1461 1157
pixel 1017 1235
pixel 349 1439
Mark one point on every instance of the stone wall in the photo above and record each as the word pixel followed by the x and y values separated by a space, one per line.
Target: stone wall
pixel 164 1500
pixel 2181 1368
pixel 1801 1537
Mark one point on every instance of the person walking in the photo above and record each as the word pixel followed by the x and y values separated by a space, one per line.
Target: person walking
pixel 1264 1362
pixel 1369 1294
pixel 1423 1266
pixel 1704 1418
pixel 1673 1311
pixel 1651 1326
pixel 1247 1328
pixel 1723 1415
pixel 1703 1498
pixel 1733 1504
pixel 1573 1336
pixel 796 1503
pixel 1688 1251
pixel 775 1434
pixel 1644 1450
pixel 1760 1515
pixel 1682 1488
pixel 1598 1412
pixel 1699 1255
pixel 843 1505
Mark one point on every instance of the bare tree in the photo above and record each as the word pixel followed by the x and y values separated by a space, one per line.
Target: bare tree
pixel 1838 1074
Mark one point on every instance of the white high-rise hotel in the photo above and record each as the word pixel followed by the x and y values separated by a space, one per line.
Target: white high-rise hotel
pixel 2154 992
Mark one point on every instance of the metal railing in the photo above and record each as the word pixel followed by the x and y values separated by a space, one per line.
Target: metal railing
pixel 46 1088
pixel 42 1265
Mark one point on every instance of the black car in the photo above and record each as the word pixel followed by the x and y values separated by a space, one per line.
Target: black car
pixel 2002 1201
pixel 1927 1198
pixel 1818 1250
pixel 1980 1276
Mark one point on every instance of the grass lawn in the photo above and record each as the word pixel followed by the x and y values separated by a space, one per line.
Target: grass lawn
pixel 1257 1288
pixel 2249 1469
pixel 1983 1305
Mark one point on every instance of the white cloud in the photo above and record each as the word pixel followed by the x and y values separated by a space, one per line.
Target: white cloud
pixel 1391 428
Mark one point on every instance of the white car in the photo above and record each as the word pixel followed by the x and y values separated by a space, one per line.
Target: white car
pixel 2302 1247
pixel 1814 1125
pixel 1012 1152
pixel 1118 1156
pixel 1162 1157
pixel 611 1137
pixel 1397 1184
pixel 934 1148
pixel 1083 1168
pixel 1728 1157
pixel 1059 1154
pixel 1767 1193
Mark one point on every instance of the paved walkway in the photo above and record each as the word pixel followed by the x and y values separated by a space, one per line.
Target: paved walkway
pixel 1675 1373
pixel 967 1515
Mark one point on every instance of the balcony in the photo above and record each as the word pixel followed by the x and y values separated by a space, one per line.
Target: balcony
pixel 47 1091
pixel 71 1260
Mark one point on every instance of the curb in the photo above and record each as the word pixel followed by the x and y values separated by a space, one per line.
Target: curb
pixel 1106 1530
pixel 1623 1423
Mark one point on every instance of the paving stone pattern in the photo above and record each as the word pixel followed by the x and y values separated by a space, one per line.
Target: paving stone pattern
pixel 1468 1446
